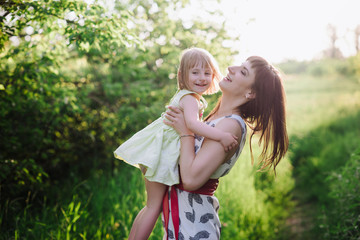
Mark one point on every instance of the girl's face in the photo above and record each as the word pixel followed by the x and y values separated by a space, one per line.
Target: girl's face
pixel 239 80
pixel 199 79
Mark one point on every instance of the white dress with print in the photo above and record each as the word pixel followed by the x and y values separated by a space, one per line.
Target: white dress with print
pixel 198 213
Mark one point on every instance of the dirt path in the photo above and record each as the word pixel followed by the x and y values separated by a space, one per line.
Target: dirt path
pixel 300 223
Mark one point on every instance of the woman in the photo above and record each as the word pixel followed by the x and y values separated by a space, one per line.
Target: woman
pixel 251 93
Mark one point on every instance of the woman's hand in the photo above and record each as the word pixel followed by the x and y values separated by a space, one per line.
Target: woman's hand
pixel 175 118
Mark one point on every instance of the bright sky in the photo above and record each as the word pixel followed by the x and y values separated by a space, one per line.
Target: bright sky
pixel 286 29
pixel 279 29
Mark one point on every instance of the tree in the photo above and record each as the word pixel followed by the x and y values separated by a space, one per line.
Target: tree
pixel 76 79
pixel 45 126
pixel 333 51
pixel 357 39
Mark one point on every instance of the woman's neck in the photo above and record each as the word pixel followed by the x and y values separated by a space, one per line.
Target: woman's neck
pixel 223 110
pixel 229 106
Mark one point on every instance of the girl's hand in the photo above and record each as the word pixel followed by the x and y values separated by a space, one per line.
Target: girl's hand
pixel 175 118
pixel 228 141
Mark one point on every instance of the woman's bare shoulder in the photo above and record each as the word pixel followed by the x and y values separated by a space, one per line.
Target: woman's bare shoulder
pixel 230 125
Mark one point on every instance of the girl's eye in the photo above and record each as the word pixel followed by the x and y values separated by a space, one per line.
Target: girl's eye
pixel 243 72
pixel 208 73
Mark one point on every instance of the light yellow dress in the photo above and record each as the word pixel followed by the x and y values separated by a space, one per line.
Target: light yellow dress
pixel 157 147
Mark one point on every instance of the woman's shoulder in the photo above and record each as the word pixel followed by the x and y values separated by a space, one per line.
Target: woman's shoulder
pixel 235 125
pixel 231 123
pixel 230 119
pixel 238 119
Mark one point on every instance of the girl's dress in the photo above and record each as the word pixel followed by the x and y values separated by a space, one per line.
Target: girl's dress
pixel 157 147
pixel 198 213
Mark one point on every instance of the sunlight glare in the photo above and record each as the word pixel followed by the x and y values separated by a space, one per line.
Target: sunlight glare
pixel 281 29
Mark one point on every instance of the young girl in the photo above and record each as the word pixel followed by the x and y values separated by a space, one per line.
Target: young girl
pixel 155 149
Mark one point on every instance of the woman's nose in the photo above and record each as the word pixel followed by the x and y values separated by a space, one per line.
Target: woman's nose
pixel 231 69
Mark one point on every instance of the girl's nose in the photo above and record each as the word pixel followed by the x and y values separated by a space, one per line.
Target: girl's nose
pixel 203 76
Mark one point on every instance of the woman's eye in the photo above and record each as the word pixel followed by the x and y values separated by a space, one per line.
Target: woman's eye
pixel 194 72
pixel 208 73
pixel 243 73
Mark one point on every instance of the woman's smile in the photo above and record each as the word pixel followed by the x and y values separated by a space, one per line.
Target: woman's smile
pixel 227 78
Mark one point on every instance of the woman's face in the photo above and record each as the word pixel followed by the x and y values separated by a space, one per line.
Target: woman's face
pixel 239 79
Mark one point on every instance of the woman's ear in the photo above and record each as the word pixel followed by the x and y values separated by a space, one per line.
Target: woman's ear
pixel 250 95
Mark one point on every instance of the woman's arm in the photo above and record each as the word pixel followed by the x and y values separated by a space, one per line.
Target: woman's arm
pixel 191 115
pixel 196 169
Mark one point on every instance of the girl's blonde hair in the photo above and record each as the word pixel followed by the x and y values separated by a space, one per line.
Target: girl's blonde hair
pixel 197 56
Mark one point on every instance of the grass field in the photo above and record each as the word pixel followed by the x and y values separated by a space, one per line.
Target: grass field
pixel 254 205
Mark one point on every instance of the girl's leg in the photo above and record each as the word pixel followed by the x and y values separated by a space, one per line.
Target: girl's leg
pixel 146 218
pixel 135 224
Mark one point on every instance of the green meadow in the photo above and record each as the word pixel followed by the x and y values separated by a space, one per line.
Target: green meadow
pixel 77 80
pixel 314 194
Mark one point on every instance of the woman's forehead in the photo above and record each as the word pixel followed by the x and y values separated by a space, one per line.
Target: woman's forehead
pixel 246 64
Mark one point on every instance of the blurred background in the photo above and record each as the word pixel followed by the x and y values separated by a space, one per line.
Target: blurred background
pixel 78 78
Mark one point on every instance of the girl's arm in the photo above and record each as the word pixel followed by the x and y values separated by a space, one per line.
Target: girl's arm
pixel 195 170
pixel 191 115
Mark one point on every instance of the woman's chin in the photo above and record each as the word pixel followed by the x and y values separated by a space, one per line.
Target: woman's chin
pixel 222 85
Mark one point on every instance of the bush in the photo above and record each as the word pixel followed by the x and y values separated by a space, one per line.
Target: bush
pixel 75 83
pixel 341 220
pixel 324 67
pixel 322 151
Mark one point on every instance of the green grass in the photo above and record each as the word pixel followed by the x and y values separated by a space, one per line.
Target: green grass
pixel 324 116
pixel 312 101
pixel 253 205
pixel 340 219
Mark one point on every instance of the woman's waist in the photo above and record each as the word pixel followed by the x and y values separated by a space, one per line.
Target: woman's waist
pixel 208 188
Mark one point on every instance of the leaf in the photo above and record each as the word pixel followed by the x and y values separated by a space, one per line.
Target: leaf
pixel 206 217
pixel 190 216
pixel 200 235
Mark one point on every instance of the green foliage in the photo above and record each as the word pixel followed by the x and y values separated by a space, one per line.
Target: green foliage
pixel 44 118
pixel 253 205
pixel 324 67
pixel 102 207
pixel 76 80
pixel 352 69
pixel 340 219
pixel 322 153
pixel 293 67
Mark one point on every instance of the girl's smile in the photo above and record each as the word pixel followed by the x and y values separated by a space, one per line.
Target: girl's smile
pixel 200 79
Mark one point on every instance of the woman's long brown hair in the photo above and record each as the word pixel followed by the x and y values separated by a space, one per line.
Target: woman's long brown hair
pixel 265 114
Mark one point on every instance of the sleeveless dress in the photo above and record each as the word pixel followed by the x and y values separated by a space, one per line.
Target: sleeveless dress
pixel 198 213
pixel 157 147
